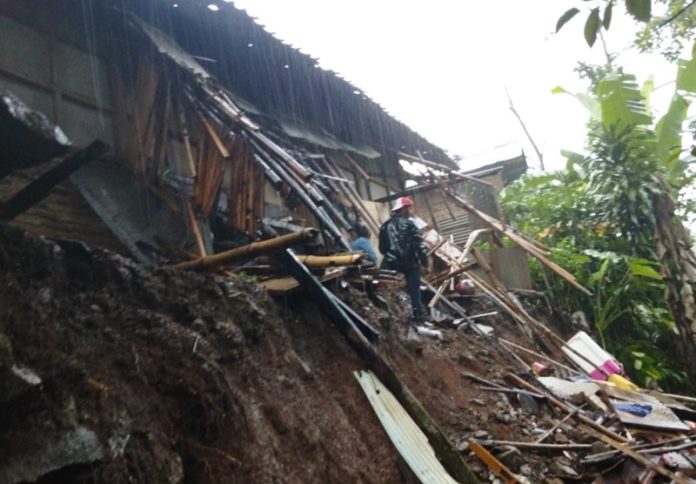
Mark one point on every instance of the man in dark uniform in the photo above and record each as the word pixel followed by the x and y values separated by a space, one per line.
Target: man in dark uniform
pixel 403 249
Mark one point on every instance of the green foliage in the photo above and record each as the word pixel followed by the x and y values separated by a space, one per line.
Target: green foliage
pixel 621 102
pixel 640 9
pixel 245 276
pixel 563 19
pixel 668 31
pixel 591 27
pixel 600 16
pixel 597 216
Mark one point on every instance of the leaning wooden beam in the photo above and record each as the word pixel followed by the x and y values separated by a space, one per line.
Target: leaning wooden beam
pixel 357 167
pixel 526 322
pixel 556 426
pixel 444 449
pixel 539 355
pixel 517 238
pixel 253 249
pixel 351 194
pixel 448 274
pixel 39 189
pixel 645 448
pixel 289 161
pixel 224 152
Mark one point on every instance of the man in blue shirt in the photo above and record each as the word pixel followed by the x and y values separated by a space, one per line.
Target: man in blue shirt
pixel 362 243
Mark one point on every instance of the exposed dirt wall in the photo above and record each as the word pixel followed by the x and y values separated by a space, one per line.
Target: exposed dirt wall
pixel 180 376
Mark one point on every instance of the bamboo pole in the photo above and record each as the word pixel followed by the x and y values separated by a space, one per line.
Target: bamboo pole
pixel 195 229
pixel 214 136
pixel 250 250
pixel 330 260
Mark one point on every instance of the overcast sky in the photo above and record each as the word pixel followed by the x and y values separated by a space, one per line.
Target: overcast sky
pixel 443 66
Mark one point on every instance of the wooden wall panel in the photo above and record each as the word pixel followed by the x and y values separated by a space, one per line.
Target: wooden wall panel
pixel 63 214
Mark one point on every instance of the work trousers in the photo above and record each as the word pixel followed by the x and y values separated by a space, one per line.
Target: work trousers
pixel 413 278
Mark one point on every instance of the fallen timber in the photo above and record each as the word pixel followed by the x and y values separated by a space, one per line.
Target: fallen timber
pixel 250 250
pixel 300 190
pixel 516 237
pixel 534 445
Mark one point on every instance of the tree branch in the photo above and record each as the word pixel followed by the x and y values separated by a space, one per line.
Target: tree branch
pixel 680 12
pixel 526 131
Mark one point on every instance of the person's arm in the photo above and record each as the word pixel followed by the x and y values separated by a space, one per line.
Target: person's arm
pixel 371 252
pixel 418 244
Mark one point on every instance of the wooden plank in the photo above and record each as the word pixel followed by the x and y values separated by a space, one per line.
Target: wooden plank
pixel 535 445
pixel 224 152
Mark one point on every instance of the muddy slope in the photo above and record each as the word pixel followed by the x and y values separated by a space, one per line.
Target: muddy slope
pixel 110 372
pixel 163 376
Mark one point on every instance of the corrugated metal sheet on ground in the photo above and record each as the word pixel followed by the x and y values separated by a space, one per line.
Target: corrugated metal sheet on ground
pixel 407 437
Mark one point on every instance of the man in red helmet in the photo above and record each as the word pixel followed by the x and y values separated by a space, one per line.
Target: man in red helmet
pixel 403 250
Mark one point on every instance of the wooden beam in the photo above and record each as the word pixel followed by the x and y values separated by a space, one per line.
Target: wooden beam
pixel 516 237
pixel 357 167
pixel 39 189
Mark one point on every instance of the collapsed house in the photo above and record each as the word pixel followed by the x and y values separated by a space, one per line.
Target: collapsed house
pixel 235 154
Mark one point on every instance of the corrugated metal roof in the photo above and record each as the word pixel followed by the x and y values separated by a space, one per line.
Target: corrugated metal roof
pixel 408 438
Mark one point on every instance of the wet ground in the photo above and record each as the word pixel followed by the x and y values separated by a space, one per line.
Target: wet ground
pixel 117 373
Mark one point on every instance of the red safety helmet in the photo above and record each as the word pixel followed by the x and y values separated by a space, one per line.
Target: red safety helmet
pixel 401 203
